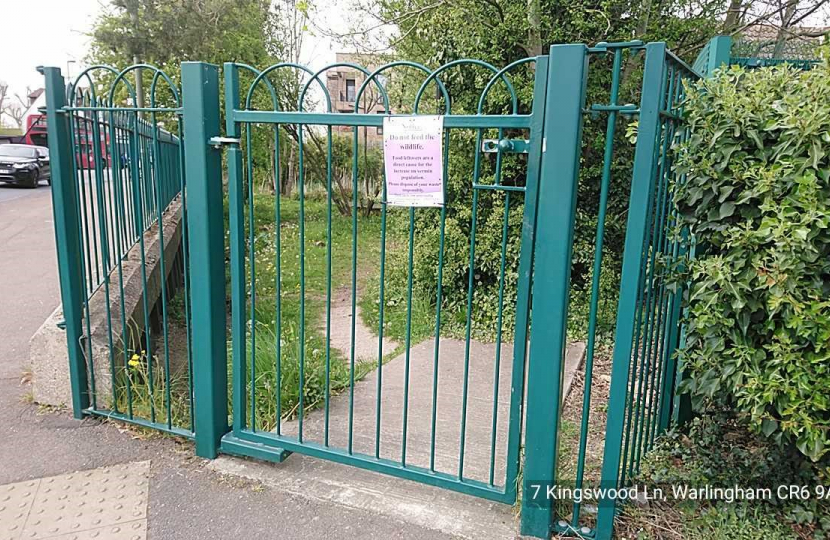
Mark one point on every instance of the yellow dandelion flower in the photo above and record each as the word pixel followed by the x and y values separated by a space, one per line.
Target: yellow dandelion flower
pixel 133 362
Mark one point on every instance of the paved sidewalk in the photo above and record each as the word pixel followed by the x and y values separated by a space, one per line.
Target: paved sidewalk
pixel 185 499
pixel 110 502
pixel 169 493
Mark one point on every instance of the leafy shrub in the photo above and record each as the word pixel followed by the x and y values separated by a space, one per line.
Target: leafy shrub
pixel 755 193
pixel 718 451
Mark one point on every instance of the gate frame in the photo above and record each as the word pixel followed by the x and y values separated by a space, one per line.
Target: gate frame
pixel 203 164
pixel 567 83
pixel 562 89
pixel 547 228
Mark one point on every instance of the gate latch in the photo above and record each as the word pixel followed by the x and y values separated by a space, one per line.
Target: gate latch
pixel 217 142
pixel 509 146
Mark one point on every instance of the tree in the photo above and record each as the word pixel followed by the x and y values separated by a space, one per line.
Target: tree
pixel 12 107
pixel 434 32
pixel 167 32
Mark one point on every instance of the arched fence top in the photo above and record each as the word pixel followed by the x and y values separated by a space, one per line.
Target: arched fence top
pixel 107 99
pixel 374 78
pixel 273 68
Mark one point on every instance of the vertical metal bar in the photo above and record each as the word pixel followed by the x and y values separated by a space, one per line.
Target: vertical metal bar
pixel 249 190
pixel 121 247
pixel 665 298
pixel 354 304
pixel 160 192
pixel 66 215
pixel 438 301
pixel 139 202
pixel 83 203
pixel 551 281
pixel 470 280
pixel 179 159
pixel 84 269
pixel 408 340
pixel 526 256
pixel 605 184
pixel 668 398
pixel 653 281
pixel 328 283
pixel 641 191
pixel 103 231
pixel 720 49
pixel 636 365
pixel 301 217
pixel 200 87
pixel 499 324
pixel 278 289
pixel 382 299
pixel 682 408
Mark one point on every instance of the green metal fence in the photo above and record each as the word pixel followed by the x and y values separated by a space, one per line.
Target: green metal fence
pixel 118 190
pixel 726 51
pixel 517 149
pixel 647 332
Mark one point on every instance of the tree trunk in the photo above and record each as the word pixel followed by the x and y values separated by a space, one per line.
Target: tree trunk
pixel 534 32
pixel 291 172
pixel 733 16
pixel 643 20
pixel 781 38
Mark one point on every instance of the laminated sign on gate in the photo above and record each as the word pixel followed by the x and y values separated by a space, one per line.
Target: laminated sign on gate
pixel 412 160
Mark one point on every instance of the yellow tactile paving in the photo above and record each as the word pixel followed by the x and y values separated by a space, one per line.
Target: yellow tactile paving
pixel 109 502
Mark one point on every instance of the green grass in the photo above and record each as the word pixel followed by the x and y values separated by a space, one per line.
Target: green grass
pixel 396 316
pixel 263 341
pixel 134 391
pixel 144 403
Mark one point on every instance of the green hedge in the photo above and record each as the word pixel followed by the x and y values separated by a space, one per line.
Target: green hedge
pixel 755 193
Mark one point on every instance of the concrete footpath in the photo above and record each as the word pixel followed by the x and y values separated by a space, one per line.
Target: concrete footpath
pixel 174 495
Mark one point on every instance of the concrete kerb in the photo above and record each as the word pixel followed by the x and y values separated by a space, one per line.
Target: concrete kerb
pixel 47 347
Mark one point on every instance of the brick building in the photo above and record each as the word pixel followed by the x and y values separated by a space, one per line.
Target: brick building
pixel 343 84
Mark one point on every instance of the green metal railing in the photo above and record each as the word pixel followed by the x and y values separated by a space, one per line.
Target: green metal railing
pixel 521 158
pixel 648 320
pixel 725 51
pixel 120 175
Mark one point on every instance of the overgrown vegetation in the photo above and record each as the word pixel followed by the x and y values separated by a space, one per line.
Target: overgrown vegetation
pixel 718 451
pixel 755 195
pixel 264 341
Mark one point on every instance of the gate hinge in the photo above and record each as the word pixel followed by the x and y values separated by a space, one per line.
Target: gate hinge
pixel 510 146
pixel 217 142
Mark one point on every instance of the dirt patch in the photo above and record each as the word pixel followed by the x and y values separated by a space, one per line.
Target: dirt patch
pixel 571 424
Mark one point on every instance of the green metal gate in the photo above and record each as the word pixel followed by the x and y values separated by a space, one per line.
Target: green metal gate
pixel 402 460
pixel 521 158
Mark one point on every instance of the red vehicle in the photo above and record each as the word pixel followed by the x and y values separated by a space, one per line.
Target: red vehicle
pixel 35 130
pixel 35 135
pixel 85 144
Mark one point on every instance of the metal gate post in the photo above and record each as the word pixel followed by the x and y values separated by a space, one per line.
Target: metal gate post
pixel 206 235
pixel 565 99
pixel 642 184
pixel 67 238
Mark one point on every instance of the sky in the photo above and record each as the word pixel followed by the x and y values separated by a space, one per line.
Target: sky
pixel 62 27
pixel 59 25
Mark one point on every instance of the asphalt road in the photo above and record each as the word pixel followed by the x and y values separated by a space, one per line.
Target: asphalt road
pixel 187 500
pixel 28 276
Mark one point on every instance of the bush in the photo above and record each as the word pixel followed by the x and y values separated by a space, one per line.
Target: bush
pixel 755 194
pixel 717 451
